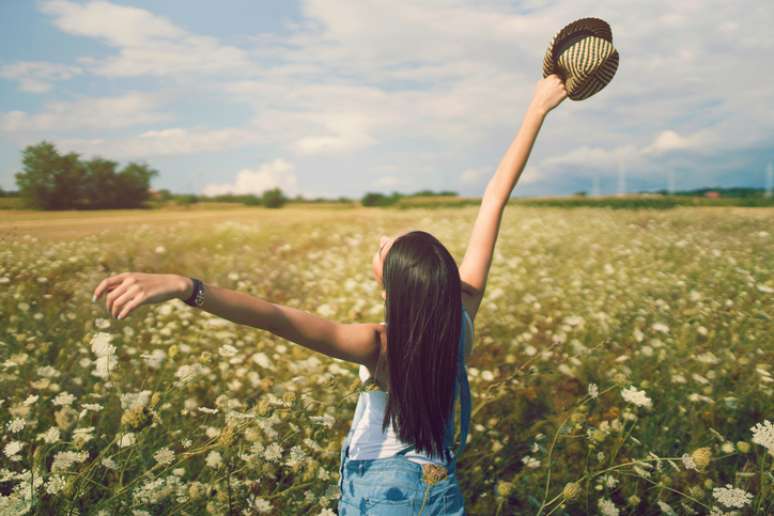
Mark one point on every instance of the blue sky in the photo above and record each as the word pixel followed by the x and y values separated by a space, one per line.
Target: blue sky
pixel 340 98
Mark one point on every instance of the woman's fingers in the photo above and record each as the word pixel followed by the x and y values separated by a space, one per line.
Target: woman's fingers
pixel 108 283
pixel 121 300
pixel 131 305
pixel 118 291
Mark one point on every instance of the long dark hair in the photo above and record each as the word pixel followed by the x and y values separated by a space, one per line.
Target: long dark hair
pixel 423 315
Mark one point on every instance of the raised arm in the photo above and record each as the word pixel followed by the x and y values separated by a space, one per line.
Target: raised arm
pixel 549 92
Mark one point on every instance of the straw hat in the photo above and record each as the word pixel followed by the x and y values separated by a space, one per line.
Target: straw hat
pixel 582 54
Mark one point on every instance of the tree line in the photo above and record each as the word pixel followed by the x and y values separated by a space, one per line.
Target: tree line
pixel 53 181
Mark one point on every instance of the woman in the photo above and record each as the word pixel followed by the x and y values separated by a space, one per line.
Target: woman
pixel 398 456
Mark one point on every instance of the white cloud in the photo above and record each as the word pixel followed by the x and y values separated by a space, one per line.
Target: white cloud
pixel 148 44
pixel 276 173
pixel 671 141
pixel 601 157
pixel 346 132
pixel 126 110
pixel 388 182
pixel 165 142
pixel 475 176
pixel 441 78
pixel 38 76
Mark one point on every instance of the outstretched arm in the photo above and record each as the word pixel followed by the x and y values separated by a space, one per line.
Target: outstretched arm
pixel 357 342
pixel 549 92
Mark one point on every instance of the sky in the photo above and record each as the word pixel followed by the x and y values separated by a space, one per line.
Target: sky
pixel 339 98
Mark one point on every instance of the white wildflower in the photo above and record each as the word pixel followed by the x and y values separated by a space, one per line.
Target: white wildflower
pixel 106 359
pixel 273 452
pixel 126 439
pixel 262 360
pixel 763 434
pixel 607 507
pixel 12 448
pixel 325 420
pixel 16 425
pixel 530 462
pixel 154 359
pixel 64 398
pixel 64 459
pixel 731 496
pixel 639 398
pixel 688 462
pixel 164 456
pixel 55 484
pixel 593 390
pixel 214 459
pixel 50 436
pixel 297 456
pixel 227 351
pixel 263 506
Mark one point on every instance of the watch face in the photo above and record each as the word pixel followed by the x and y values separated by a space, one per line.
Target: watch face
pixel 200 296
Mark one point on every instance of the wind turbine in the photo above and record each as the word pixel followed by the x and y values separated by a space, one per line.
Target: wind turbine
pixel 621 178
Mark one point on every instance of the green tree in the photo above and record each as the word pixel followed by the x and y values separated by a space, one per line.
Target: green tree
pixel 52 181
pixel 101 185
pixel 134 183
pixel 164 195
pixel 49 180
pixel 273 198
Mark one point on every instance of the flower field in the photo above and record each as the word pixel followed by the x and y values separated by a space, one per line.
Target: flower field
pixel 623 364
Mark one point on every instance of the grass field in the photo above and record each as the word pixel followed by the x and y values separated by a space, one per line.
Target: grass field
pixel 622 361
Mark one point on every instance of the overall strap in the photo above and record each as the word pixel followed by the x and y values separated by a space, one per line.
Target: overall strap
pixel 462 381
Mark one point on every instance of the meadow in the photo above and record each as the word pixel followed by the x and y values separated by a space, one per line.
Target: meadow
pixel 622 361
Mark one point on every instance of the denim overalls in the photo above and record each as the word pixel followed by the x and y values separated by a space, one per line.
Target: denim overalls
pixel 398 486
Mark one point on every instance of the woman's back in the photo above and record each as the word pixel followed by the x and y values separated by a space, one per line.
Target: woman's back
pixel 368 441
pixel 379 474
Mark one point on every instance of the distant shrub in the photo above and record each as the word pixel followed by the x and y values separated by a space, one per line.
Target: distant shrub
pixel 252 200
pixel 273 198
pixel 379 199
pixel 186 199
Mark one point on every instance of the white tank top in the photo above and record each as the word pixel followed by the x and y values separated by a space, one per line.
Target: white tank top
pixel 368 441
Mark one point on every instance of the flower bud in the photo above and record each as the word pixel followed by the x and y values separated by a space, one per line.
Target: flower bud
pixel 571 490
pixel 504 489
pixel 701 457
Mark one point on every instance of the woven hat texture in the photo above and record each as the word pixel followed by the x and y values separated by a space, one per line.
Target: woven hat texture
pixel 583 55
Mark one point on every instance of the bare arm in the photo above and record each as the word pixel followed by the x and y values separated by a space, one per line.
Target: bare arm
pixel 352 342
pixel 474 270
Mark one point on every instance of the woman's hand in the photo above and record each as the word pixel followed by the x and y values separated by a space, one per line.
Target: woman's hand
pixel 128 290
pixel 549 93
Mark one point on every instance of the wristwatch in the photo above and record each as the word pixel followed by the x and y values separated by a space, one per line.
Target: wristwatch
pixel 197 296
